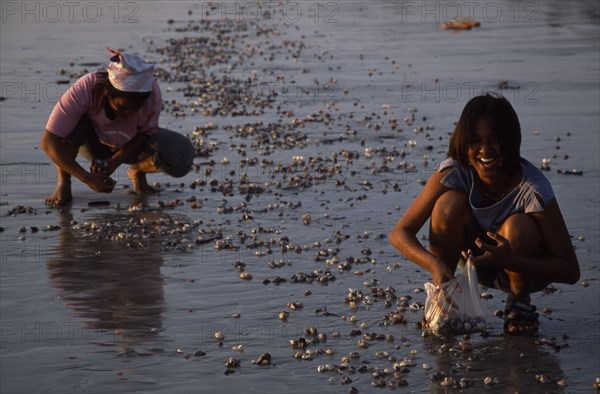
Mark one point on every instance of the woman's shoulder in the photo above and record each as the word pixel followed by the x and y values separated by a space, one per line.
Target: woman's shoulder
pixel 94 76
pixel 536 181
pixel 532 173
pixel 87 81
pixel 451 165
pixel 448 163
pixel 454 175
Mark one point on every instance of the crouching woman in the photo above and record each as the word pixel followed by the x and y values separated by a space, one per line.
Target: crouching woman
pixel 111 118
pixel 487 201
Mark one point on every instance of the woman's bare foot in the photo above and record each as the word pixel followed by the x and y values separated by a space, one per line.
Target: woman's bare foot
pixel 61 196
pixel 139 182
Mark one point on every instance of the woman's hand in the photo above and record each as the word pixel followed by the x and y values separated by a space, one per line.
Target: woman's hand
pixel 494 255
pixel 106 167
pixel 441 273
pixel 98 166
pixel 100 183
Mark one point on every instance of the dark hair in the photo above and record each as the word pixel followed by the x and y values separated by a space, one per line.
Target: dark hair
pixel 502 120
pixel 103 89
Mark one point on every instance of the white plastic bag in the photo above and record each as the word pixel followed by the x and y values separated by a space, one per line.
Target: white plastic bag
pixel 454 307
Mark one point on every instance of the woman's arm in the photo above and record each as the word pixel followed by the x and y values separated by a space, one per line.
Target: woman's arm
pixel 559 264
pixel 127 152
pixel 63 155
pixel 130 150
pixel 404 235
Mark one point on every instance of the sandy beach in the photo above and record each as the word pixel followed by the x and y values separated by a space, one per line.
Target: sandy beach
pixel 315 125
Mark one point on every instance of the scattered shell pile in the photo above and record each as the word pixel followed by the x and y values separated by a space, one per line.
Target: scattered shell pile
pixel 173 234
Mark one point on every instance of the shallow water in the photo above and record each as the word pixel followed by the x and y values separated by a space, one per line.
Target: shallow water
pixel 83 314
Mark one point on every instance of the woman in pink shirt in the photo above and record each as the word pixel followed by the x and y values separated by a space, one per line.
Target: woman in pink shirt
pixel 111 118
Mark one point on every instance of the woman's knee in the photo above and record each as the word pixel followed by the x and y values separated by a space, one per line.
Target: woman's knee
pixel 451 208
pixel 523 233
pixel 173 152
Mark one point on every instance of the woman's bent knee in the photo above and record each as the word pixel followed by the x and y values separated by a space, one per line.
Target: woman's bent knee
pixel 452 207
pixel 173 152
pixel 523 233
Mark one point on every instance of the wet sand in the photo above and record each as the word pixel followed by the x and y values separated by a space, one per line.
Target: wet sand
pixel 313 136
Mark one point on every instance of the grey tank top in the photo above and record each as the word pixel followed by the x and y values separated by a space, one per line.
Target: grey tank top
pixel 531 195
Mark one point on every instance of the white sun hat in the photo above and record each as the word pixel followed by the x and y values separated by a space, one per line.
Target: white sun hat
pixel 129 72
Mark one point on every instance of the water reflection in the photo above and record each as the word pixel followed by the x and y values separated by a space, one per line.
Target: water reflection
pixel 106 284
pixel 515 361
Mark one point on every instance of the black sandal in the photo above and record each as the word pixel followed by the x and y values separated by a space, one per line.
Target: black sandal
pixel 522 317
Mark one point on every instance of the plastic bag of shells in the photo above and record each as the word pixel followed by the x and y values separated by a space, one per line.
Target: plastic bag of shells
pixel 454 307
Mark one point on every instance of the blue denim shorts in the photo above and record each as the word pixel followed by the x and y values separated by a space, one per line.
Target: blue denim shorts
pixel 172 152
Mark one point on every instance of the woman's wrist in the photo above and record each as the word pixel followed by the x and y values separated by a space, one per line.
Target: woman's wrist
pixel 436 263
pixel 84 176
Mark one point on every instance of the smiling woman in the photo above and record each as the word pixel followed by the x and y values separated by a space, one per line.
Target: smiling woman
pixel 487 123
pixel 487 202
